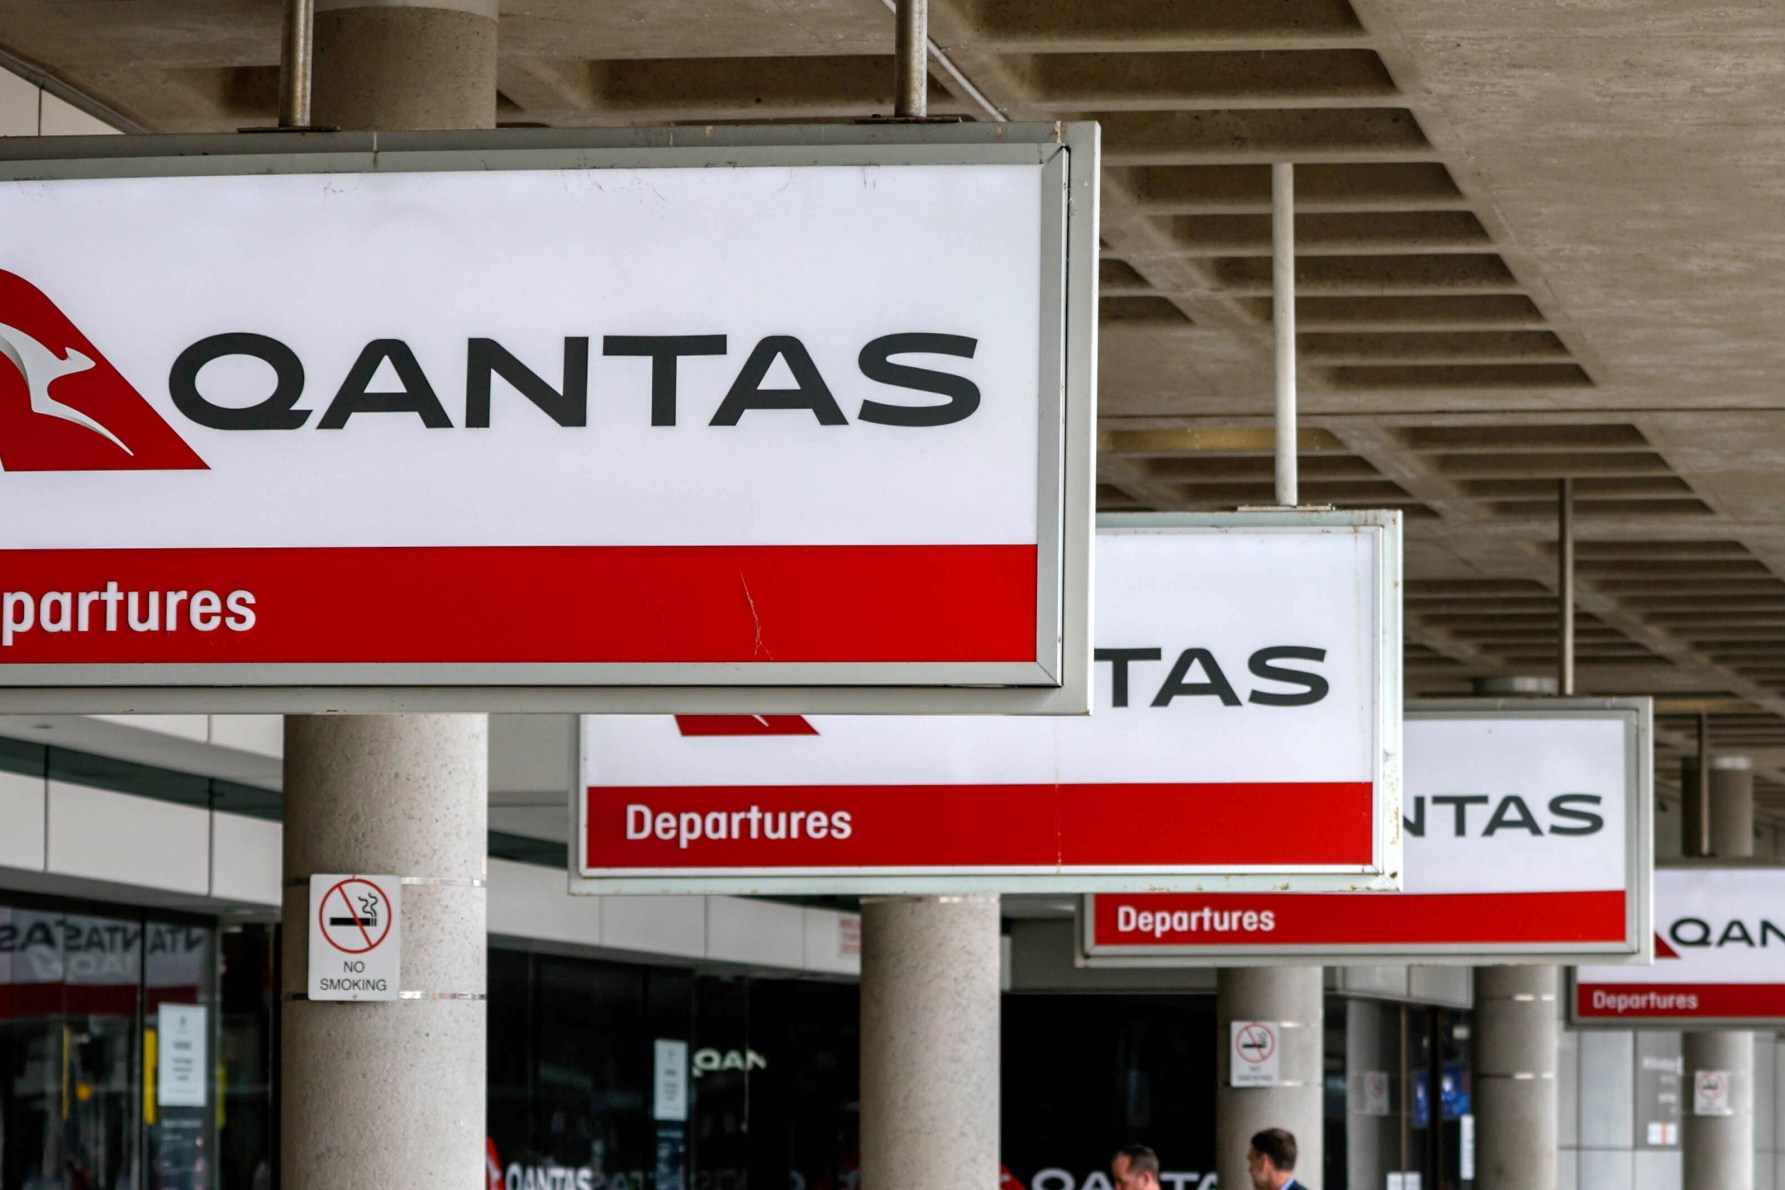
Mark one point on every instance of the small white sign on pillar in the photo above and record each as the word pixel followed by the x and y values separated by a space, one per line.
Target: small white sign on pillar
pixel 1375 1096
pixel 1466 1147
pixel 356 940
pixel 1257 1054
pixel 1710 1093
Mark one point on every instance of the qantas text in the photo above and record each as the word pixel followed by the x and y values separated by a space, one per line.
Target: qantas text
pixel 566 399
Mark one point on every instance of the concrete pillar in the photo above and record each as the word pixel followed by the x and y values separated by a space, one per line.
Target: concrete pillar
pixel 1516 1032
pixel 929 1042
pixel 388 1094
pixel 1515 1077
pixel 1292 998
pixel 392 1094
pixel 405 64
pixel 1372 1046
pixel 1724 828
pixel 1719 1150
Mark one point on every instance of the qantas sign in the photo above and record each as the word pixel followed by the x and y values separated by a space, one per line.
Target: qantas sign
pixel 1246 733
pixel 1719 950
pixel 1526 838
pixel 791 426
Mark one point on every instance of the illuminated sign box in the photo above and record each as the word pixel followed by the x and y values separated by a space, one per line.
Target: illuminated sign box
pixel 1246 733
pixel 689 419
pixel 1719 954
pixel 1527 839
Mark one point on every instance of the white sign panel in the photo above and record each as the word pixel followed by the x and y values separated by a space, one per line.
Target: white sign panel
pixel 1710 1093
pixel 1247 673
pixel 1719 954
pixel 1375 1093
pixel 356 937
pixel 762 415
pixel 180 1047
pixel 1527 828
pixel 1256 1054
pixel 669 1082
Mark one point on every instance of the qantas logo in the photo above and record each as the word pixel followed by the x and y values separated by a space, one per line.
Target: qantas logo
pixel 63 407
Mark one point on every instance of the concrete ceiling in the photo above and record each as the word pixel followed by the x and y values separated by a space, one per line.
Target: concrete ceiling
pixel 1537 240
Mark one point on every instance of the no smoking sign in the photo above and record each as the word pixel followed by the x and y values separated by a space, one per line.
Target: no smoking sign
pixel 1257 1054
pixel 1710 1093
pixel 355 937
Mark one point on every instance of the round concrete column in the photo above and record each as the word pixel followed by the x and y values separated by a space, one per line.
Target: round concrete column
pixel 1289 997
pixel 929 1042
pixel 1719 1150
pixel 405 64
pixel 1372 1046
pixel 392 1093
pixel 1516 1028
pixel 1515 1077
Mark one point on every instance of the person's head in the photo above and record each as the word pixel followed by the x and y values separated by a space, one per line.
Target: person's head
pixel 1271 1159
pixel 1135 1167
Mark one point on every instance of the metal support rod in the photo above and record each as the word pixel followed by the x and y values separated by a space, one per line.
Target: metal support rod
pixel 1283 326
pixel 294 64
pixel 1704 783
pixel 911 60
pixel 1565 586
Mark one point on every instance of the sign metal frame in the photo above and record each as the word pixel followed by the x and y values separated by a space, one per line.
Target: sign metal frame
pixel 1675 1023
pixel 1636 948
pixel 1057 681
pixel 1383 872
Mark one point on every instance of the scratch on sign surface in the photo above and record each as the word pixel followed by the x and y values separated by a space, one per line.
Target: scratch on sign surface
pixel 756 649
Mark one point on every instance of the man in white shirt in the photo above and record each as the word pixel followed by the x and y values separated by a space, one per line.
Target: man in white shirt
pixel 1271 1161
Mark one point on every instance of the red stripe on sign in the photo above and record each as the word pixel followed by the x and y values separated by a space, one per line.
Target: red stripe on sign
pixel 945 603
pixel 1685 1001
pixel 782 827
pixel 736 725
pixel 1190 920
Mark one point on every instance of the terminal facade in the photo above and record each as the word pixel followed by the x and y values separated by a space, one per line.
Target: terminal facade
pixel 139 877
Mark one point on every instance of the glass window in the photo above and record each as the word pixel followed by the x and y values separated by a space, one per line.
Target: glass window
pixel 1084 1075
pixel 179 1055
pixel 769 1078
pixel 570 1066
pixel 107 1047
pixel 70 988
pixel 247 1071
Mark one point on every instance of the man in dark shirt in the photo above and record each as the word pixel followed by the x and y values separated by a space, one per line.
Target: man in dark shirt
pixel 1271 1161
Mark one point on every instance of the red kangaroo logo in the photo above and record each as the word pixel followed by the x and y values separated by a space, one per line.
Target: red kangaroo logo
pixel 63 407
